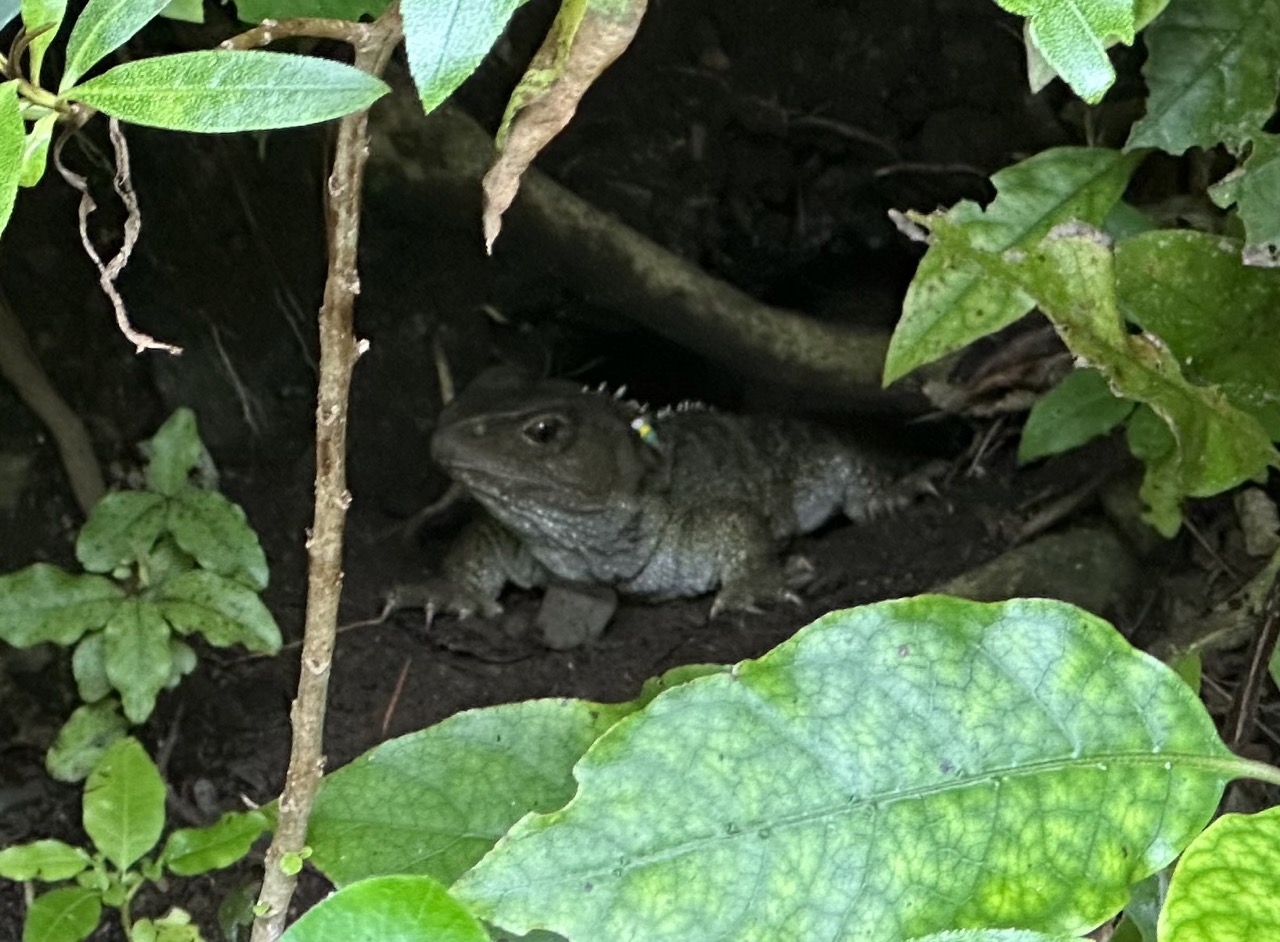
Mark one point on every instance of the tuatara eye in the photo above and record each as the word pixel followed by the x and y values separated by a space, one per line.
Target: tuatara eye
pixel 545 429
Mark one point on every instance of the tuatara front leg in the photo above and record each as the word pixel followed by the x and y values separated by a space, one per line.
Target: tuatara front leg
pixel 482 560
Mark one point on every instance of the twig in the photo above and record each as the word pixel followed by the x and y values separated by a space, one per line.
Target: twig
pixel 109 272
pixel 395 696
pixel 1244 710
pixel 268 31
pixel 339 350
pixel 18 364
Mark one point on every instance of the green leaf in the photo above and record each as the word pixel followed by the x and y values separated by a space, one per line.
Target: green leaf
pixel 225 612
pixel 1078 409
pixel 1145 903
pixel 124 804
pixel 84 739
pixel 89 665
pixel 68 914
pixel 904 767
pixel 103 27
pixel 43 603
pixel 9 9
pixel 221 90
pixel 995 935
pixel 42 860
pixel 13 138
pixel 138 657
pixel 255 11
pixel 1071 276
pixel 1217 316
pixel 1211 71
pixel 1223 889
pixel 434 802
pixel 390 909
pixel 35 150
pixel 121 529
pixel 184 662
pixel 174 926
pixel 175 450
pixel 1073 36
pixel 189 11
pixel 447 39
pixel 1255 189
pixel 37 13
pixel 215 532
pixel 189 851
pixel 950 303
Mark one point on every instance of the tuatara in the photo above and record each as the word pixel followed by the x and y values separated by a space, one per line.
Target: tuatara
pixel 583 487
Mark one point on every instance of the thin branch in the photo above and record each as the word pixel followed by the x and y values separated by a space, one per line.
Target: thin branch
pixel 339 351
pixel 268 31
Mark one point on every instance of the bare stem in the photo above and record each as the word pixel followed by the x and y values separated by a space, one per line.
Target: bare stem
pixel 339 351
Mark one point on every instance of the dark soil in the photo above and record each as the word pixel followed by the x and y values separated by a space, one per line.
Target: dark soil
pixel 763 140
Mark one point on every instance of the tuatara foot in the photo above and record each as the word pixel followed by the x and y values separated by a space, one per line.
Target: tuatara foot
pixel 749 594
pixel 436 595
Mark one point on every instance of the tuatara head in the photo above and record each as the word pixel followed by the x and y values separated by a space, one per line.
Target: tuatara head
pixel 533 449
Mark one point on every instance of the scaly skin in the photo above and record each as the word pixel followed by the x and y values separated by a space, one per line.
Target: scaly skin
pixel 583 487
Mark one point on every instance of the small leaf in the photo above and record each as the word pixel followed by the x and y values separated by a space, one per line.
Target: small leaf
pixel 189 851
pixel 220 90
pixel 225 612
pixel 89 665
pixel 184 662
pixel 42 860
pixel 214 531
pixel 43 603
pixel 404 908
pixel 447 39
pixel 1046 767
pixel 13 138
pixel 1223 889
pixel 103 27
pixel 174 452
pixel 189 11
pixel 124 804
pixel 1078 409
pixel 84 739
pixel 121 529
pixel 995 935
pixel 585 39
pixel 1073 36
pixel 1211 71
pixel 68 914
pixel 435 801
pixel 35 150
pixel 138 657
pixel 9 9
pixel 35 14
pixel 1255 189
pixel 949 303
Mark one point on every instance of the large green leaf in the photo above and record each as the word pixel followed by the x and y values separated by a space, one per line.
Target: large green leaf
pixel 949 302
pixel 1224 888
pixel 215 532
pixel 1073 36
pixel 138 657
pixel 1211 70
pixel 103 27
pixel 434 802
pixel 1216 315
pixel 121 529
pixel 1071 275
pixel 1078 409
pixel 124 803
pixel 447 39
pixel 42 860
pixel 1254 188
pixel 255 11
pixel 225 612
pixel 388 909
pixel 229 90
pixel 891 771
pixel 13 138
pixel 43 603
pixel 68 914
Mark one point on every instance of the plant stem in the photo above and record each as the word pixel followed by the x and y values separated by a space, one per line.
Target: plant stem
pixel 339 351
